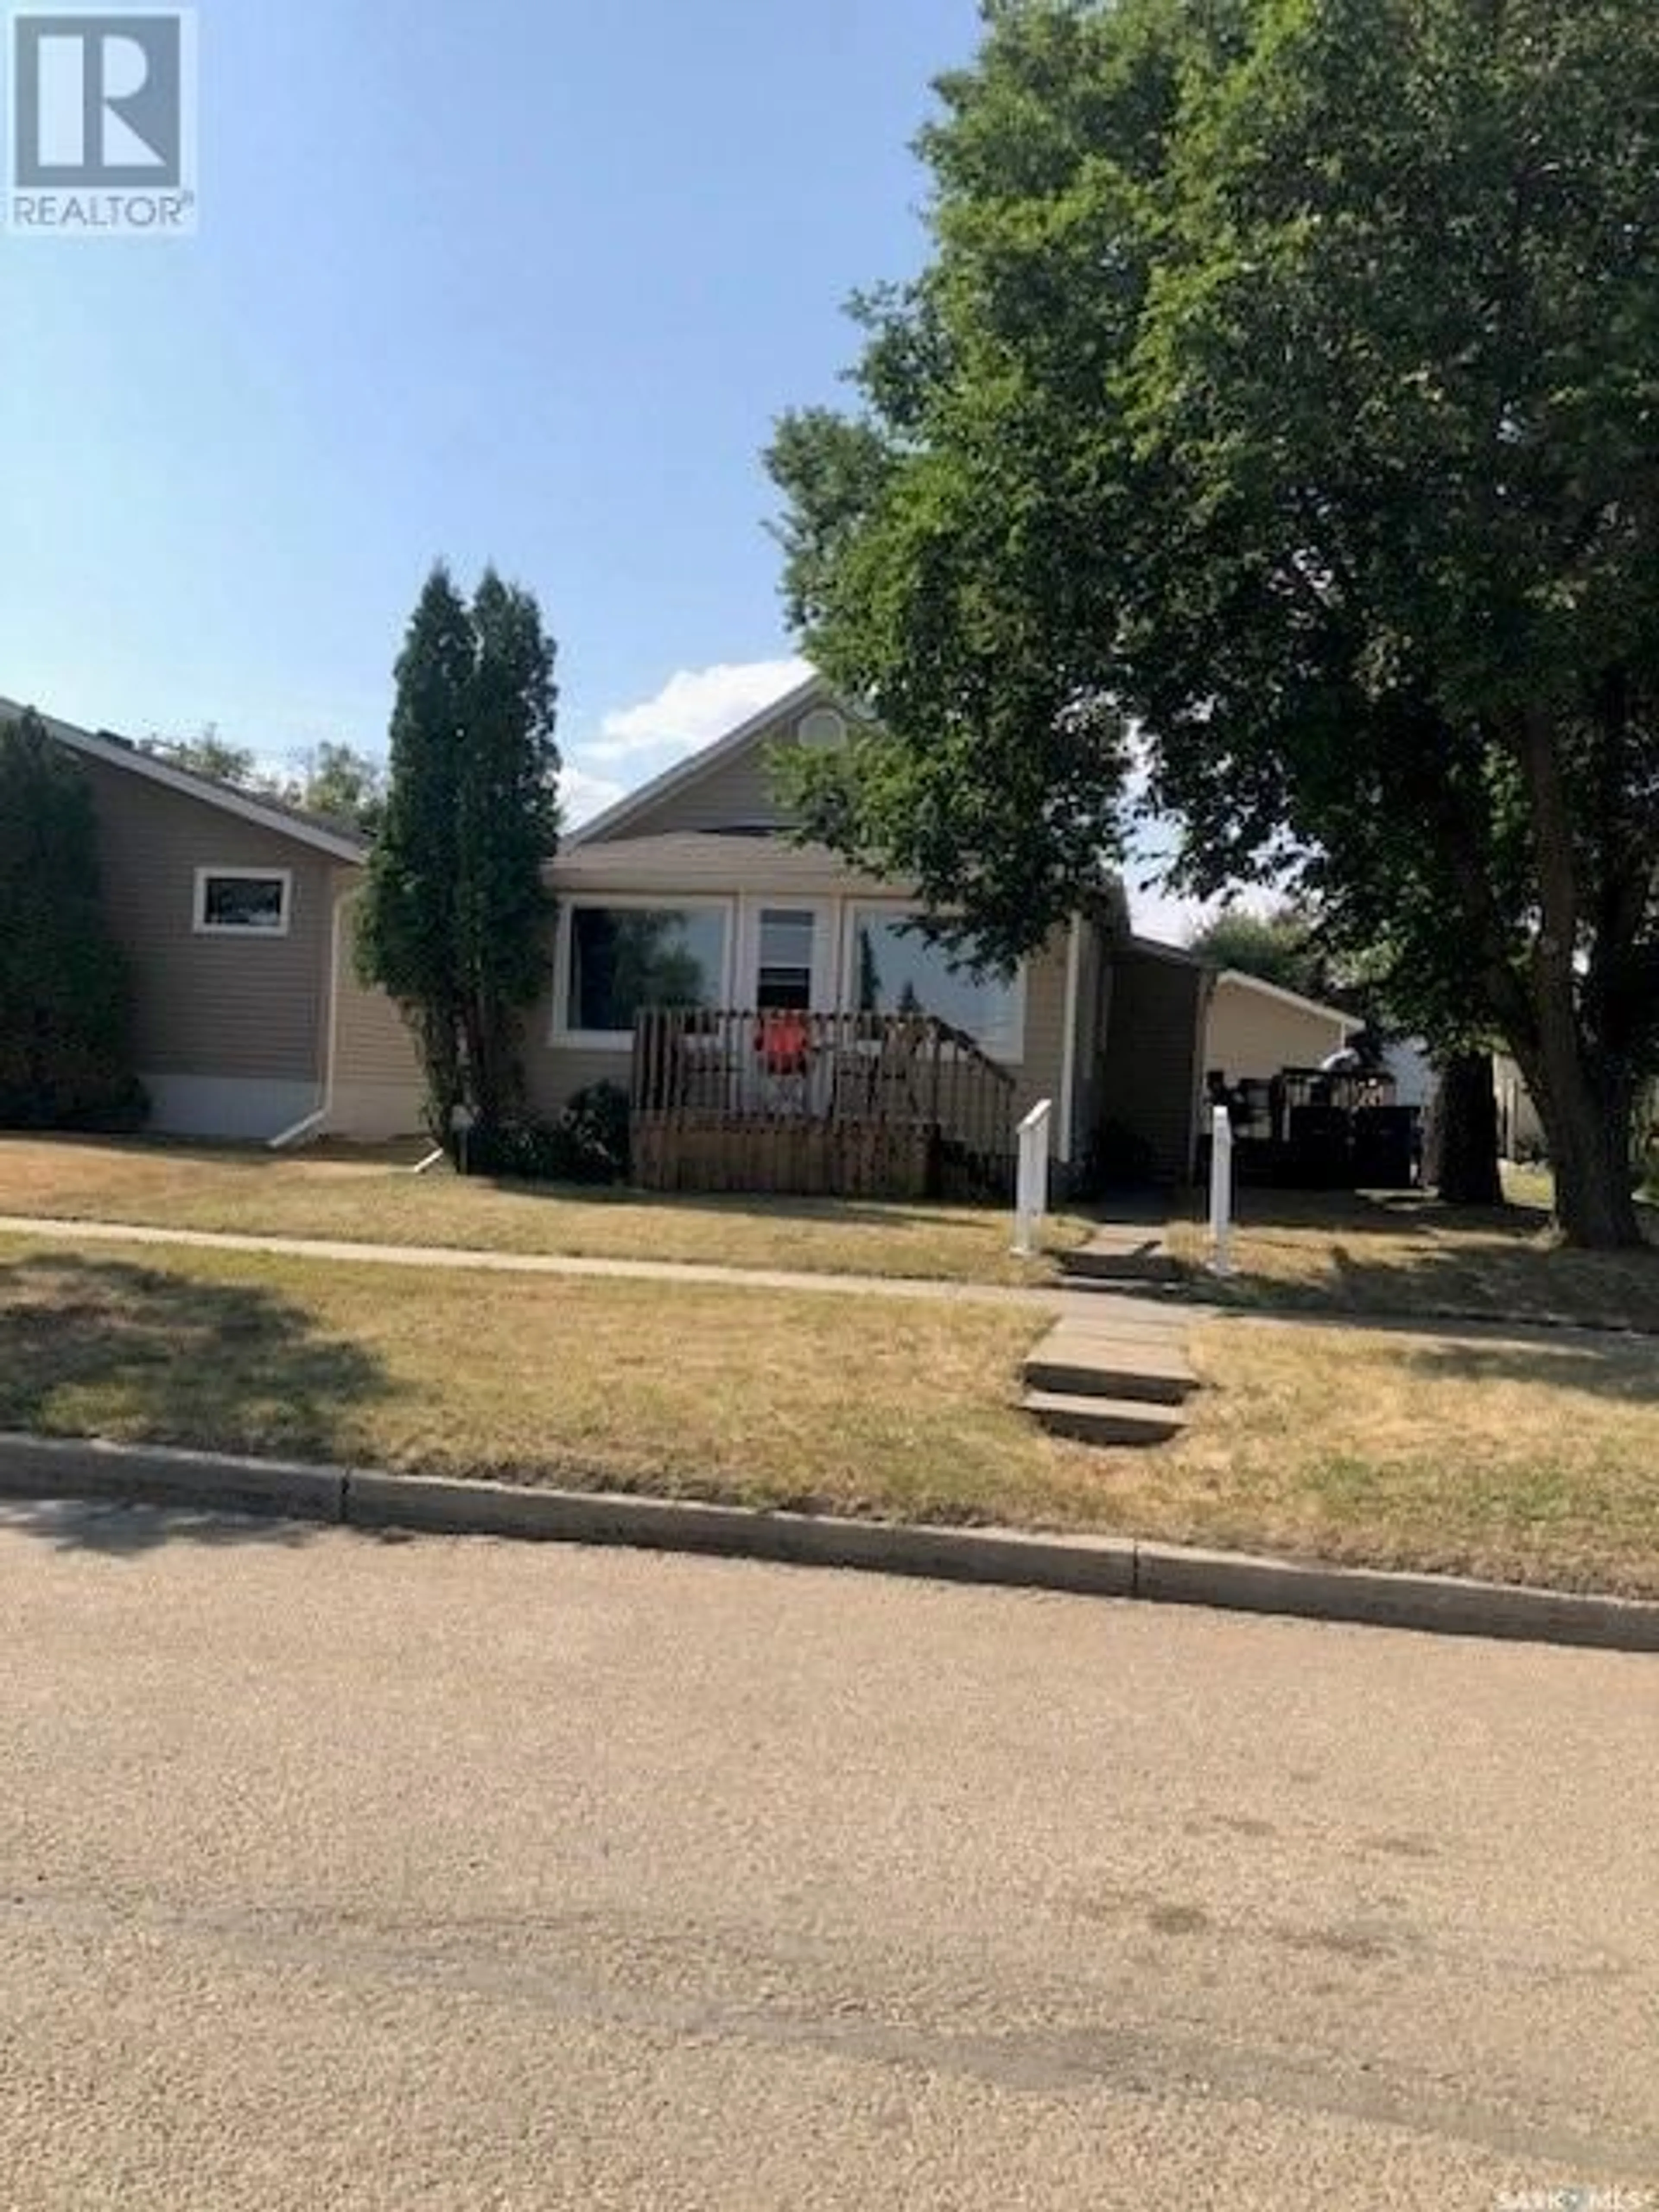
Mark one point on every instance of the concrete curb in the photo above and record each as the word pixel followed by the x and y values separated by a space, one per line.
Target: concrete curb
pixel 1076 1564
pixel 1092 1566
pixel 35 1467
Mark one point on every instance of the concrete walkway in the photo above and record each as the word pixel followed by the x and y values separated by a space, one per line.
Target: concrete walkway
pixel 1113 1370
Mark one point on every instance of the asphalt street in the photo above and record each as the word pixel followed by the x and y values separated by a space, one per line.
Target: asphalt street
pixel 338 1872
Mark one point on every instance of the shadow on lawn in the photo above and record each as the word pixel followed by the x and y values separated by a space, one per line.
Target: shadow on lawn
pixel 1384 1214
pixel 100 1347
pixel 1410 1256
pixel 1608 1368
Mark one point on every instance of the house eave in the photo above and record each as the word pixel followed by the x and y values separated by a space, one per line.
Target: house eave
pixel 699 764
pixel 114 752
pixel 1347 1023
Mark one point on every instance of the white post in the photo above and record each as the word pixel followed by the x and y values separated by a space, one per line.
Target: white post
pixel 1032 1195
pixel 1221 1193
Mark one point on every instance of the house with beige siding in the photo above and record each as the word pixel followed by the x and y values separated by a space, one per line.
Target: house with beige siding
pixel 228 909
pixel 800 989
pixel 1257 1029
pixel 697 887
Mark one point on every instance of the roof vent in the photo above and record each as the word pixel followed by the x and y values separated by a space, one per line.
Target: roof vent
pixel 823 729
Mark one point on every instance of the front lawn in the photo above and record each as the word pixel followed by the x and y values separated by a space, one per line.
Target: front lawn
pixel 1530 1460
pixel 1406 1255
pixel 1527 1461
pixel 365 1197
pixel 765 1398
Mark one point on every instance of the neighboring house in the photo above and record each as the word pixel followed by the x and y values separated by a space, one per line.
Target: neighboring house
pixel 236 914
pixel 1257 1029
pixel 228 909
pixel 1520 1130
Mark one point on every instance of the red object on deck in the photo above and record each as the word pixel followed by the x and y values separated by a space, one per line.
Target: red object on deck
pixel 784 1043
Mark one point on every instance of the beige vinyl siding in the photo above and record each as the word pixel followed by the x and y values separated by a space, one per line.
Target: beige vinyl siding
pixel 1252 1034
pixel 736 795
pixel 1094 970
pixel 243 1009
pixel 1041 1072
pixel 666 867
pixel 1520 1130
pixel 1149 1076
pixel 377 1089
pixel 733 793
pixel 691 864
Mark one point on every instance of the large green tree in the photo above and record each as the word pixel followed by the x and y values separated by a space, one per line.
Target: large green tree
pixel 454 919
pixel 336 781
pixel 212 756
pixel 330 779
pixel 1281 399
pixel 65 1041
pixel 1279 946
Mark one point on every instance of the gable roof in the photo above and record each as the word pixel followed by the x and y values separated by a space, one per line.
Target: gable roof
pixel 1347 1023
pixel 702 762
pixel 336 839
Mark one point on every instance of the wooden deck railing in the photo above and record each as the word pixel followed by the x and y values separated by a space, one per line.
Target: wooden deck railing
pixel 847 1104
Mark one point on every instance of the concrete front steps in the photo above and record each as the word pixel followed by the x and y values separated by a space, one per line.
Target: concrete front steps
pixel 1123 1253
pixel 1143 1263
pixel 1114 1372
pixel 1122 1423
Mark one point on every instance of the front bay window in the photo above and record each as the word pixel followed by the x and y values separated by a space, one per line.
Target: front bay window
pixel 625 958
pixel 897 971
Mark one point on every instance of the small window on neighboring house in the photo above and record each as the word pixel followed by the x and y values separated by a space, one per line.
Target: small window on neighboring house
pixel 243 902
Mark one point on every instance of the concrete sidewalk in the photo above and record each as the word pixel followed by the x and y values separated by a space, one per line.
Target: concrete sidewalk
pixel 1049 1296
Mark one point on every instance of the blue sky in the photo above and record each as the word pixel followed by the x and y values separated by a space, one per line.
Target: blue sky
pixel 525 281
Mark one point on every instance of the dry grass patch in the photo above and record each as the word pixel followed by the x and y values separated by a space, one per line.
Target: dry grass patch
pixel 369 1197
pixel 900 1409
pixel 1533 1461
pixel 1411 1257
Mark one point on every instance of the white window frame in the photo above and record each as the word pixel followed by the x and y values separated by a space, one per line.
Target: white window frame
pixel 907 910
pixel 828 932
pixel 243 935
pixel 622 1041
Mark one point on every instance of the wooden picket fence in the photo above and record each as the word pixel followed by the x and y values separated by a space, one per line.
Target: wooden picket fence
pixel 832 1105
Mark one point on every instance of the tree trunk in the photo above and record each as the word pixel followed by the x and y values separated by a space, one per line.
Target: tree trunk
pixel 1587 1124
pixel 1585 1095
pixel 1465 1169
pixel 1587 1103
pixel 492 1064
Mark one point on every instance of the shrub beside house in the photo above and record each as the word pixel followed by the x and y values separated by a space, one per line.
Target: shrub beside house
pixel 65 1007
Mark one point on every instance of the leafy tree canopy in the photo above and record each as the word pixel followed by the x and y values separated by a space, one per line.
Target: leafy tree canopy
pixel 344 784
pixel 330 778
pixel 1281 395
pixel 1280 947
pixel 209 754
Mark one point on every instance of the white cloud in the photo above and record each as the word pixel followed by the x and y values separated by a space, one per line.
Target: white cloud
pixel 1168 920
pixel 586 795
pixel 695 706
